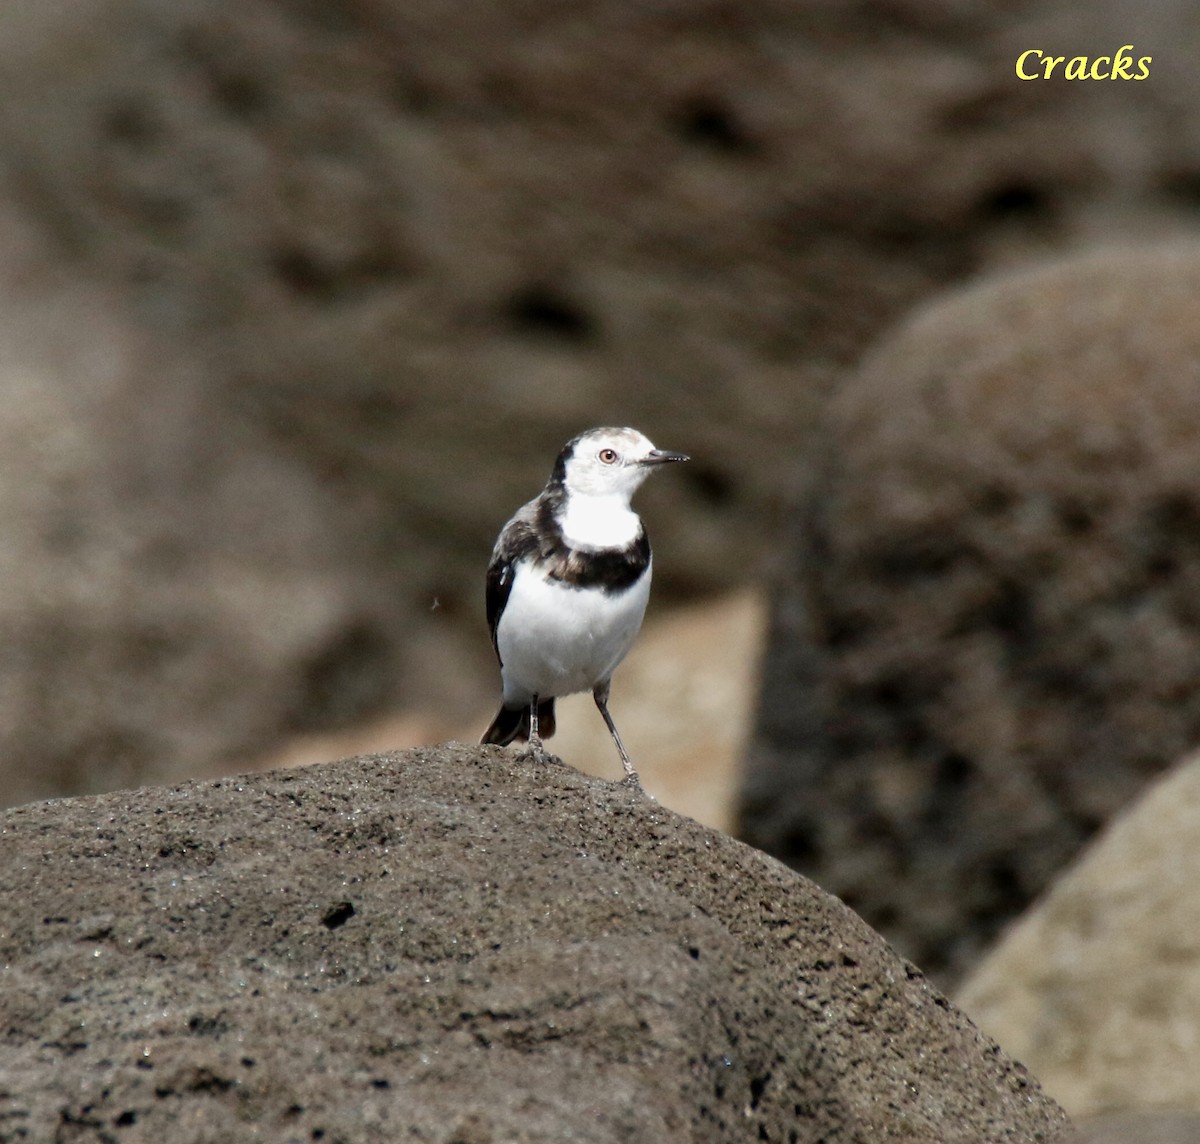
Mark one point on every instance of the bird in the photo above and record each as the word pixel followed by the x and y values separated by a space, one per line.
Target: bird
pixel 568 583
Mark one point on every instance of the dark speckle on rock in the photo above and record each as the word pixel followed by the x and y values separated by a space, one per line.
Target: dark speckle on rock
pixel 337 916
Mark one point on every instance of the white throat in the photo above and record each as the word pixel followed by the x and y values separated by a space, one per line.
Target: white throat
pixel 604 521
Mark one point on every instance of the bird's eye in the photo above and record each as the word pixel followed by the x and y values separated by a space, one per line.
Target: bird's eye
pixel 608 456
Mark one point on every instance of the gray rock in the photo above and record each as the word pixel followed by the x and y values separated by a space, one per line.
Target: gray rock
pixel 1097 986
pixel 455 945
pixel 359 269
pixel 986 641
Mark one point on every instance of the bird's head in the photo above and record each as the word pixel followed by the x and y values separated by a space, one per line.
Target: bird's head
pixel 609 462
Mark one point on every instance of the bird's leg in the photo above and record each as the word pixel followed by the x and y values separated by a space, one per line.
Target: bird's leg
pixel 600 695
pixel 535 740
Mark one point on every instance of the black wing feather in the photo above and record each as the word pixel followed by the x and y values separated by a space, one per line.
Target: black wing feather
pixel 499 586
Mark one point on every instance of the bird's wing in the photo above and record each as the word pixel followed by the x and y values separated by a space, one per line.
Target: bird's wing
pixel 499 584
pixel 516 542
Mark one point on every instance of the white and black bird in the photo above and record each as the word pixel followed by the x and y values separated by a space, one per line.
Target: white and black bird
pixel 568 583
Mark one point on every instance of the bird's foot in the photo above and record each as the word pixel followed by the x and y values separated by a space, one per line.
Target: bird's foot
pixel 535 749
pixel 632 781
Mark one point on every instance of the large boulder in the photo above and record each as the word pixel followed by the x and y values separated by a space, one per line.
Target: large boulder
pixel 986 639
pixel 457 945
pixel 378 260
pixel 1098 987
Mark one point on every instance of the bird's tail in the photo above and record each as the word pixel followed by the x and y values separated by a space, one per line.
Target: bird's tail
pixel 513 723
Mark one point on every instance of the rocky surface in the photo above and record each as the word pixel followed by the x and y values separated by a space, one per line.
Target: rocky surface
pixel 986 641
pixel 303 298
pixel 454 945
pixel 1098 988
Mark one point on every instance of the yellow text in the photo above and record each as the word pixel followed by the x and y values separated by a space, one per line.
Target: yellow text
pixel 1036 64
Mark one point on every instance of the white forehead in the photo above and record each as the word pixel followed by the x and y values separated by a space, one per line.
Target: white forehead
pixel 627 442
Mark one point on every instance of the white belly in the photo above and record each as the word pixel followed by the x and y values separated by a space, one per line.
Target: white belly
pixel 557 640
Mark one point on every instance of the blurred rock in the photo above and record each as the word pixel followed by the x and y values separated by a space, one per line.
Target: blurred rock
pixel 1098 987
pixel 159 602
pixel 1142 1128
pixel 382 258
pixel 987 638
pixel 450 945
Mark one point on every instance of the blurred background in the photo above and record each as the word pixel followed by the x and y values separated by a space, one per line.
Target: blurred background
pixel 300 298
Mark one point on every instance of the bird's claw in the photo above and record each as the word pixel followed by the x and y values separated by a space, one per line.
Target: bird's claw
pixel 538 753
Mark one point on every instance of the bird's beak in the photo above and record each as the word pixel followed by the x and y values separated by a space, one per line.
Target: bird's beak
pixel 662 457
